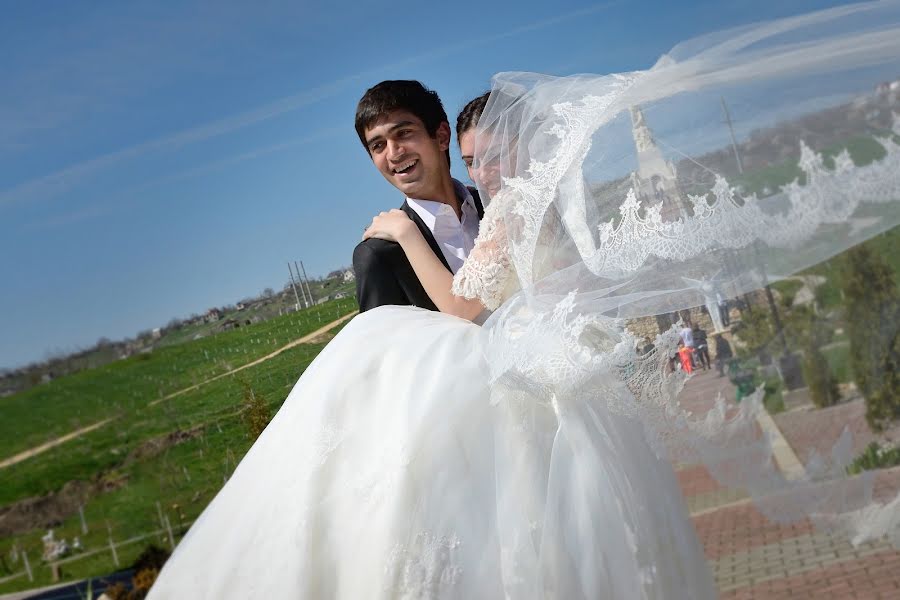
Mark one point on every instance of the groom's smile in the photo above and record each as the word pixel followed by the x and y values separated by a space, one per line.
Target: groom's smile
pixel 407 156
pixel 406 167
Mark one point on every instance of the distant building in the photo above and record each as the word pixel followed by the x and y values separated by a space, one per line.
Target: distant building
pixel 655 181
pixel 230 324
pixel 156 333
pixel 212 315
pixel 349 275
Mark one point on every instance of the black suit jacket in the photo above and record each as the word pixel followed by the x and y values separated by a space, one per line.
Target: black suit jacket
pixel 383 273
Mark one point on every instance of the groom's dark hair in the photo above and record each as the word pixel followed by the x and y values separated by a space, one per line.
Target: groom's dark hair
pixel 388 96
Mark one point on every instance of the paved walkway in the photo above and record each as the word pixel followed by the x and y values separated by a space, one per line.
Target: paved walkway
pixel 754 558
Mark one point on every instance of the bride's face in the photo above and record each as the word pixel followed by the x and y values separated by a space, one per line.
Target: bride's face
pixel 485 174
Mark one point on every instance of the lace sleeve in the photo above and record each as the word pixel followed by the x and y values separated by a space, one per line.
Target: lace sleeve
pixel 488 269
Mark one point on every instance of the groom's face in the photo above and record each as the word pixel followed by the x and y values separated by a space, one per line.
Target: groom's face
pixel 411 160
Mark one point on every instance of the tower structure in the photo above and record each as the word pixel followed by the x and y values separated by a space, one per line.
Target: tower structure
pixel 655 180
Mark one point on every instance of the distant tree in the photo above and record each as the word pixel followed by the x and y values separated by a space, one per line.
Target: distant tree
pixel 268 292
pixel 873 326
pixel 756 331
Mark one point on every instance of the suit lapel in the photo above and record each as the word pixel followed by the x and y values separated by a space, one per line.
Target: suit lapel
pixel 477 199
pixel 429 237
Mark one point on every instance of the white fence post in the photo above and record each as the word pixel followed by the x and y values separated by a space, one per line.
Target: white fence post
pixel 169 530
pixel 27 566
pixel 112 545
pixel 84 527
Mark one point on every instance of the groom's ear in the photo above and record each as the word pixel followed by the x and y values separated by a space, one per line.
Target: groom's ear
pixel 443 135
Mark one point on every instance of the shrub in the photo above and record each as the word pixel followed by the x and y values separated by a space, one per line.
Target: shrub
pixel 873 327
pixel 773 399
pixel 875 457
pixel 823 390
pixel 152 557
pixel 255 412
pixel 755 330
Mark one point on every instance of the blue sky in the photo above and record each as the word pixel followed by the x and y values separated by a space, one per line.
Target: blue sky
pixel 159 158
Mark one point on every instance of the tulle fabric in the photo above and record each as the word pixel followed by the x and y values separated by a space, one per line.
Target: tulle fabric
pixel 614 198
pixel 395 470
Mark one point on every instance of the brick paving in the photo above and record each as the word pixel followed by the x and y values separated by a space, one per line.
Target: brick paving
pixel 754 558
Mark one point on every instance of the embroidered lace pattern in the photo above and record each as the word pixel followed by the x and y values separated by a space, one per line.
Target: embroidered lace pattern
pixel 487 270
pixel 729 221
pixel 721 218
pixel 423 568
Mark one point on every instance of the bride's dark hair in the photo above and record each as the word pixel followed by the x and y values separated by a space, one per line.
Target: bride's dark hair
pixel 471 112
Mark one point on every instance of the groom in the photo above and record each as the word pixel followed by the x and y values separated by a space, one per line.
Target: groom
pixel 403 127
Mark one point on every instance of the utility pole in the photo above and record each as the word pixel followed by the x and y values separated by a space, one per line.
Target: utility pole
pixel 307 299
pixel 294 285
pixel 312 301
pixel 734 146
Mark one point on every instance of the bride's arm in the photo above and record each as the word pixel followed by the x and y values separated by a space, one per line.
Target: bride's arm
pixel 433 275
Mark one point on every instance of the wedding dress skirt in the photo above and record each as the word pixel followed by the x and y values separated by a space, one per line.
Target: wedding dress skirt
pixel 389 473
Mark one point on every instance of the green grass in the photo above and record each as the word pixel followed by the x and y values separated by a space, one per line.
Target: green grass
pixel 863 150
pixel 119 389
pixel 124 391
pixel 131 509
pixel 787 289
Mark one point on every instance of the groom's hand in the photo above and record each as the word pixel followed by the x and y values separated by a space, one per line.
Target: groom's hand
pixel 393 225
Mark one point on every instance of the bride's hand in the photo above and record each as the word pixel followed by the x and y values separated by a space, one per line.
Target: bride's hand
pixel 394 226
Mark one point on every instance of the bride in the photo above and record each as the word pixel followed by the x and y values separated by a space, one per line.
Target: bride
pixel 424 456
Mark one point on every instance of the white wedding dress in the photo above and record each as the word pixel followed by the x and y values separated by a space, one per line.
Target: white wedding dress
pixel 378 479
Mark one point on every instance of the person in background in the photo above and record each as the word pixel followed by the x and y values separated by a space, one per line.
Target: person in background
pixel 723 353
pixel 701 349
pixel 687 338
pixel 685 355
pixel 722 303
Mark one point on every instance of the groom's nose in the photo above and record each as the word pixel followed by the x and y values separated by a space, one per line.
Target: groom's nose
pixel 395 149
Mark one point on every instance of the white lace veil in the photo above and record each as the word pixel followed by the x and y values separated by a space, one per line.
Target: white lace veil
pixel 634 195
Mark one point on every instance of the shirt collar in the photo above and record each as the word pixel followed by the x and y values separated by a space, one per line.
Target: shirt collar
pixel 429 210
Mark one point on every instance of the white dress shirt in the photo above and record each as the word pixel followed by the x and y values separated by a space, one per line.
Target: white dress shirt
pixel 454 237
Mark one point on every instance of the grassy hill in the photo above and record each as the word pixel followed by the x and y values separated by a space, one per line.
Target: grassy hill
pixel 177 452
